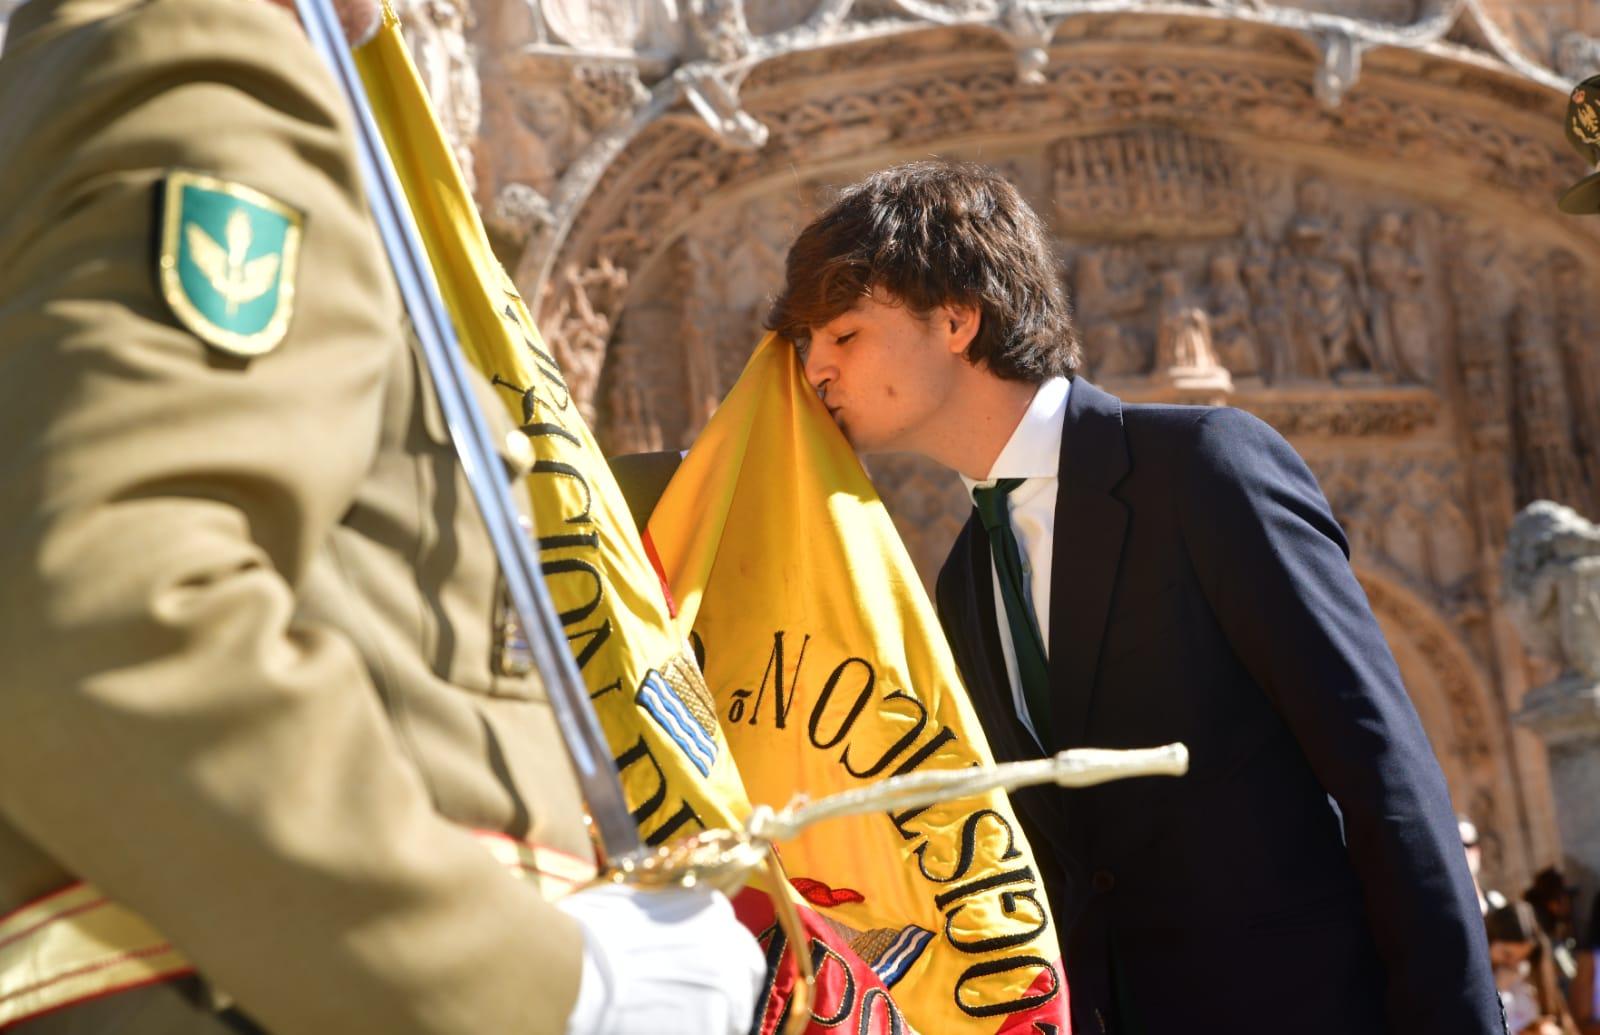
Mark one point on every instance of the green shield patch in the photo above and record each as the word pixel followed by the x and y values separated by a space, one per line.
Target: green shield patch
pixel 227 262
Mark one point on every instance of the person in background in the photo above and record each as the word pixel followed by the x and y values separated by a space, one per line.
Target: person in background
pixel 1469 844
pixel 1553 901
pixel 1583 995
pixel 1524 973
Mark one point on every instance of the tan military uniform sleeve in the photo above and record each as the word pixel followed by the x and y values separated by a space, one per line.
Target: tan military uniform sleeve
pixel 169 730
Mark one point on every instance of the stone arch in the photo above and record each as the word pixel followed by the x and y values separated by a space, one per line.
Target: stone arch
pixel 1465 723
pixel 1484 139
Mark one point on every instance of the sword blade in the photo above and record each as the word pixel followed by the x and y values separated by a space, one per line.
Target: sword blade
pixel 513 545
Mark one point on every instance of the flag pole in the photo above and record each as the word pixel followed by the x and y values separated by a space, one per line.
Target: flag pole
pixel 611 823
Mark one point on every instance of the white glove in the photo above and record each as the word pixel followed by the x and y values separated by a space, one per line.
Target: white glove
pixel 667 962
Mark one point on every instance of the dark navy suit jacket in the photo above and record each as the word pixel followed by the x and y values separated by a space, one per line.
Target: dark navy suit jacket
pixel 1201 592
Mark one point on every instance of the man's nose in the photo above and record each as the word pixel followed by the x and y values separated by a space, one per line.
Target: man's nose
pixel 819 366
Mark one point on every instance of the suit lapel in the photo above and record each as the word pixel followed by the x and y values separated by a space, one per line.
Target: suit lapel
pixel 1090 526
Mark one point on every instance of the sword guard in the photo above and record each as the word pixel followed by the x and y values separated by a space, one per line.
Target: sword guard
pixel 722 859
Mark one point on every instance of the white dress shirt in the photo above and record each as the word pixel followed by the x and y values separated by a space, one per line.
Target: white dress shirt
pixel 1033 453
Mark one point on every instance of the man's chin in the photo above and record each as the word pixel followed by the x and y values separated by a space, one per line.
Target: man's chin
pixel 851 436
pixel 866 447
pixel 865 443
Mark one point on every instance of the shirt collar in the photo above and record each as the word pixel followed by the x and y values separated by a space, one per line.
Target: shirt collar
pixel 1034 449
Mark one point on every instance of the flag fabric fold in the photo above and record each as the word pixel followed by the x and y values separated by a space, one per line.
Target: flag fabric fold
pixel 828 669
pixel 677 773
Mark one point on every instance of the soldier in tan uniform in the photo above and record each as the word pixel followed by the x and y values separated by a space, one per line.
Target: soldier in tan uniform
pixel 262 747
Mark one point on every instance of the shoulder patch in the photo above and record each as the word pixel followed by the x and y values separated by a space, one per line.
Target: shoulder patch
pixel 227 259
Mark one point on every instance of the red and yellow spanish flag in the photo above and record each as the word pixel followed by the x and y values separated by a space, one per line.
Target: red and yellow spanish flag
pixel 677 772
pixel 829 669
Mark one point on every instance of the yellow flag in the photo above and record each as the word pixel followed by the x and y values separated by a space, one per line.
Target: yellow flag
pixel 651 700
pixel 677 773
pixel 829 669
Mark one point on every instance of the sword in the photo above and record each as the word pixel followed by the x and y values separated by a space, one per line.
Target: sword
pixel 612 825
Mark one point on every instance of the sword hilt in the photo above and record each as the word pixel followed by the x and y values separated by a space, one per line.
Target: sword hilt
pixel 725 859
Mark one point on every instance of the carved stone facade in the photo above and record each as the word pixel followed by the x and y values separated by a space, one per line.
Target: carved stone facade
pixel 1552 578
pixel 1337 214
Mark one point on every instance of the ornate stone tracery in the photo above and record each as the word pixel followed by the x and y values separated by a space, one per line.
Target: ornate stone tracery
pixel 687 168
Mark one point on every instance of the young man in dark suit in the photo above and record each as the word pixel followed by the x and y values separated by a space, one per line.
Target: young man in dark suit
pixel 1133 575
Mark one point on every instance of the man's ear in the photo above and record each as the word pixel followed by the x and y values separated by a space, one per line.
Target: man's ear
pixel 960 325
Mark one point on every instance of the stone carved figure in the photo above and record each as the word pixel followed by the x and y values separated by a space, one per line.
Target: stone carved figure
pixel 1305 358
pixel 1232 330
pixel 1184 352
pixel 1274 330
pixel 1330 304
pixel 1552 581
pixel 1400 337
pixel 1547 458
pixel 1114 348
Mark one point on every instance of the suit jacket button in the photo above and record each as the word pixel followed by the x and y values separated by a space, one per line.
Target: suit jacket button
pixel 1102 881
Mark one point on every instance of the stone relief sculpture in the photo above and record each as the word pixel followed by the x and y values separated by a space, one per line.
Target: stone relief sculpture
pixel 1547 458
pixel 1552 582
pixel 1148 178
pixel 1407 512
pixel 580 331
pixel 1106 310
pixel 1290 299
pixel 1275 333
pixel 1330 298
pixel 1185 357
pixel 1305 357
pixel 1400 335
pixel 605 91
pixel 1232 330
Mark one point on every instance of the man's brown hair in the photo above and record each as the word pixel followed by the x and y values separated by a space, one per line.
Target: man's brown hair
pixel 930 234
